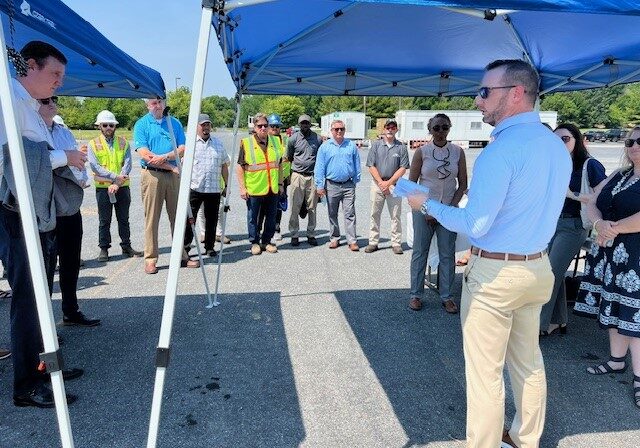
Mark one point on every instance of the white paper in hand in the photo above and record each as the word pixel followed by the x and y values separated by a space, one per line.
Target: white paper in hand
pixel 405 188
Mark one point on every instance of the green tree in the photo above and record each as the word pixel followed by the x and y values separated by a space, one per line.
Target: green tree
pixel 178 101
pixel 565 106
pixel 625 110
pixel 288 107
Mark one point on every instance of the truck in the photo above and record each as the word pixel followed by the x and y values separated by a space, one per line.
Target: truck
pixel 467 127
pixel 357 124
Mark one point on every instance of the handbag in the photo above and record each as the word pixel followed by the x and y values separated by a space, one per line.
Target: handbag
pixel 585 188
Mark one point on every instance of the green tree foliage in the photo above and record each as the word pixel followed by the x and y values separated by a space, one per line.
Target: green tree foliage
pixel 625 110
pixel 565 106
pixel 288 107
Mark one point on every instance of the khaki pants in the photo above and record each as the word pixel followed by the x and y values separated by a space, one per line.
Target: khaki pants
pixel 157 188
pixel 303 189
pixel 394 205
pixel 500 313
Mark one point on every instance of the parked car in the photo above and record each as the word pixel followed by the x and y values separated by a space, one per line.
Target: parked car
pixel 615 134
pixel 595 136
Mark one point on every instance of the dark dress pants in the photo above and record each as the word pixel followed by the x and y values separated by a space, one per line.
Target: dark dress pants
pixel 269 205
pixel 69 245
pixel 211 203
pixel 105 212
pixel 26 338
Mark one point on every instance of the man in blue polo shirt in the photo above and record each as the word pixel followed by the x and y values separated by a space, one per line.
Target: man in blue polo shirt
pixel 160 179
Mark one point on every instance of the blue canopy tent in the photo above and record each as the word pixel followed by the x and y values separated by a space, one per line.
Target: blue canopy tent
pixel 96 67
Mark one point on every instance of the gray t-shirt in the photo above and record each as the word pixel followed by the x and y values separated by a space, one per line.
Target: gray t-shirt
pixel 302 152
pixel 387 160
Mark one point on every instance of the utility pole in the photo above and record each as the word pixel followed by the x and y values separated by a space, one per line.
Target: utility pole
pixel 177 78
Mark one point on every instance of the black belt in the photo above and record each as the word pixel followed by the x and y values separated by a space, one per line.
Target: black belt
pixel 568 215
pixel 160 170
pixel 303 174
pixel 339 183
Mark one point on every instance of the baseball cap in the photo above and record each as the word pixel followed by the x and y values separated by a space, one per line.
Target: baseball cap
pixel 391 121
pixel 203 118
pixel 304 117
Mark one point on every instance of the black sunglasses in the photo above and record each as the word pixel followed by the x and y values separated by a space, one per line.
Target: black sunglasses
pixel 483 92
pixel 437 128
pixel 262 126
pixel 46 101
pixel 628 143
pixel 566 138
pixel 274 126
pixel 108 125
pixel 338 129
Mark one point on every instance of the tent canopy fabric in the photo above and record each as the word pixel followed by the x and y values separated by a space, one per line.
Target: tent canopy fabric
pixel 96 67
pixel 422 47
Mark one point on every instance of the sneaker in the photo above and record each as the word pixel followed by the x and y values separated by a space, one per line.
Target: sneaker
pixel 80 320
pixel 370 248
pixel 130 252
pixel 312 241
pixel 4 353
pixel 295 241
pixel 256 249
pixel 104 255
pixel 278 236
pixel 271 248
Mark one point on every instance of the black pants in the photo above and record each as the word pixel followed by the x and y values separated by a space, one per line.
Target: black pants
pixel 69 245
pixel 211 202
pixel 105 212
pixel 26 338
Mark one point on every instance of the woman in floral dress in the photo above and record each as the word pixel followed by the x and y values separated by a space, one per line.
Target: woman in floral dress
pixel 611 287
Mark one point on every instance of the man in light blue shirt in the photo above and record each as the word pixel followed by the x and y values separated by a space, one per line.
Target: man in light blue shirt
pixel 336 174
pixel 516 195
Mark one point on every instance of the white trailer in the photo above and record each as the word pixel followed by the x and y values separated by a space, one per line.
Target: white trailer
pixel 357 124
pixel 467 127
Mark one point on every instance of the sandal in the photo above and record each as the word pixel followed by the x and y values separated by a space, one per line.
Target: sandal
pixel 415 304
pixel 450 306
pixel 5 294
pixel 636 390
pixel 604 368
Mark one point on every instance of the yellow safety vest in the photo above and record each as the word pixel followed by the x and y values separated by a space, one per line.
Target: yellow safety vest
pixel 286 163
pixel 261 174
pixel 110 160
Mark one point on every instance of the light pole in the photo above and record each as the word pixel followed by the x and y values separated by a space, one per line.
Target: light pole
pixel 177 78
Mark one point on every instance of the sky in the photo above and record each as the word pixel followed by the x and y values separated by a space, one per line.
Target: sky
pixel 162 34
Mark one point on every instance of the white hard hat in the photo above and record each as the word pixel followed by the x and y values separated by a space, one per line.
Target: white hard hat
pixel 58 119
pixel 105 116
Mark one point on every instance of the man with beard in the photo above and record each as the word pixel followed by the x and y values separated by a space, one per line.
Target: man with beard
pixel 302 149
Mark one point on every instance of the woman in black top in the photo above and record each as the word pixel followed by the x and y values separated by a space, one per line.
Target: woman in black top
pixel 570 232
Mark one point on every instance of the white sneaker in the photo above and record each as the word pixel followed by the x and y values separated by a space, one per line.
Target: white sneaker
pixel 278 236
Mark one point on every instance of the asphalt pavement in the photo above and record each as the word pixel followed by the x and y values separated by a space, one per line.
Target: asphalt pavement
pixel 310 347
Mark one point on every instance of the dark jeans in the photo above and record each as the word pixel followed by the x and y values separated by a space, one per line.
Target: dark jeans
pixel 105 210
pixel 263 215
pixel 211 203
pixel 254 204
pixel 26 339
pixel 69 245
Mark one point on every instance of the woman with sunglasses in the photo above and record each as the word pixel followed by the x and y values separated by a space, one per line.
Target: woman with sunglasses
pixel 570 232
pixel 611 286
pixel 441 166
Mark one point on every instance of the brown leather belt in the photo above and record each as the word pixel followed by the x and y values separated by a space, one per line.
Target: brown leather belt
pixel 504 256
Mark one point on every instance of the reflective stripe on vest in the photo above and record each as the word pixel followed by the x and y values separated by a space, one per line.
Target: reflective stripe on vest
pixel 111 160
pixel 261 174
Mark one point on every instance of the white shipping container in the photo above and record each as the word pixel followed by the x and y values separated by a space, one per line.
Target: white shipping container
pixel 467 126
pixel 356 123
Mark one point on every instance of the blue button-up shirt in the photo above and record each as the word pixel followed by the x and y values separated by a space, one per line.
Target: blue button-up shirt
pixel 154 135
pixel 517 190
pixel 338 163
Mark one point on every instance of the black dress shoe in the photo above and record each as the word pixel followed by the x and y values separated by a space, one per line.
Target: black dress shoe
pixel 312 241
pixel 131 252
pixel 212 253
pixel 68 374
pixel 40 397
pixel 80 320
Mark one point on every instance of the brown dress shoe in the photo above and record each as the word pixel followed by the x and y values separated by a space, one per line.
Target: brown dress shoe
pixel 334 244
pixel 397 250
pixel 415 304
pixel 506 438
pixel 354 247
pixel 150 268
pixel 450 306
pixel 191 264
pixel 371 248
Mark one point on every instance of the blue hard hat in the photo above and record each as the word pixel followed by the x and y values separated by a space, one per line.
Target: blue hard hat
pixel 274 119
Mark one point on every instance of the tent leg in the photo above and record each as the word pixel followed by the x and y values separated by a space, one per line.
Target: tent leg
pixel 225 208
pixel 177 246
pixel 32 242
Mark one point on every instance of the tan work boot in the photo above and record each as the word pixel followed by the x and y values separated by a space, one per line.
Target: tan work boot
pixel 271 248
pixel 256 249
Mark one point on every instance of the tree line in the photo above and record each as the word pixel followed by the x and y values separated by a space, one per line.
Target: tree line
pixel 617 106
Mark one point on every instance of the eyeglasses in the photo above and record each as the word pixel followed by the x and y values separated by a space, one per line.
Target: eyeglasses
pixel 261 126
pixel 108 125
pixel 628 143
pixel 391 128
pixel 305 122
pixel 338 129
pixel 566 138
pixel 437 128
pixel 46 101
pixel 483 92
pixel 274 126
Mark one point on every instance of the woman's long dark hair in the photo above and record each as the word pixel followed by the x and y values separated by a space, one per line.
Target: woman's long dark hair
pixel 580 153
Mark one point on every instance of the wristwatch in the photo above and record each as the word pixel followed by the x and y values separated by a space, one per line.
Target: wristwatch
pixel 425 208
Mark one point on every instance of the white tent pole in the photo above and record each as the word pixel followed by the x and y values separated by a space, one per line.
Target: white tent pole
pixel 225 208
pixel 52 354
pixel 162 354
